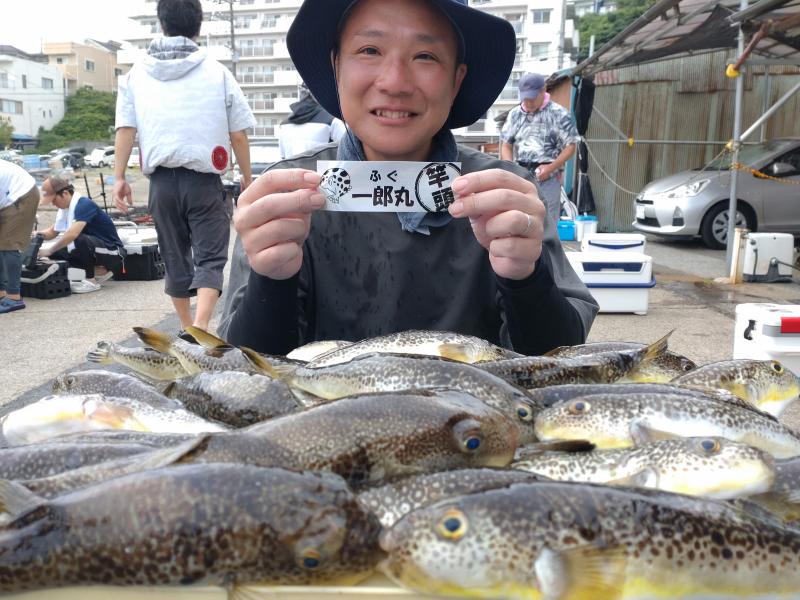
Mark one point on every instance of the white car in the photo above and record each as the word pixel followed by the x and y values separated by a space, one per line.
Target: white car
pixel 133 159
pixel 100 157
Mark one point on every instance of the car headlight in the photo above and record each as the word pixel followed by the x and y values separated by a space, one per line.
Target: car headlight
pixel 688 189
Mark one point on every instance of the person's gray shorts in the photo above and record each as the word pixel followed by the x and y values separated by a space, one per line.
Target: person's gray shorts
pixel 192 219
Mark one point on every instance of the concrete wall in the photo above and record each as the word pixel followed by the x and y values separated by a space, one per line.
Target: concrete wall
pixel 678 99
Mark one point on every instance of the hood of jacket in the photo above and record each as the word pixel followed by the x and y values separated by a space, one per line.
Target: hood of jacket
pixel 307 110
pixel 172 57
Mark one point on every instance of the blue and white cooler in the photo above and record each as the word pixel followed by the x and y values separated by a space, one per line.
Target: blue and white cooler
pixel 766 331
pixel 616 242
pixel 619 281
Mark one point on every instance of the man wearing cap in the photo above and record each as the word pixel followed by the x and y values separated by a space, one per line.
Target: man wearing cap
pixel 402 74
pixel 188 111
pixel 544 136
pixel 81 227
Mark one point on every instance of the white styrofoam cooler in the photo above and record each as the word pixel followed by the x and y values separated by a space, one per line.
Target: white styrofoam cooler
pixel 759 251
pixel 768 332
pixel 619 281
pixel 136 237
pixel 626 242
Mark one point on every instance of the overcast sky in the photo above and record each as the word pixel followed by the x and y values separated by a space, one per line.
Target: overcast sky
pixel 26 23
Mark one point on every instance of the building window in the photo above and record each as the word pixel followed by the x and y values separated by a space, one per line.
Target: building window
pixel 11 107
pixel 47 84
pixel 541 15
pixel 540 50
pixel 88 65
pixel 3 79
pixel 50 112
pixel 117 72
pixel 59 60
pixel 24 81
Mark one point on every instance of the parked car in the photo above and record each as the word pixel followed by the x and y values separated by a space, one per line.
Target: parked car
pixel 100 157
pixel 133 160
pixel 696 202
pixel 67 159
pixel 13 157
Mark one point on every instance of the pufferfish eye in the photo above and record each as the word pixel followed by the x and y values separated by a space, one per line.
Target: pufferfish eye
pixel 453 525
pixel 310 559
pixel 524 412
pixel 579 407
pixel 709 446
pixel 777 367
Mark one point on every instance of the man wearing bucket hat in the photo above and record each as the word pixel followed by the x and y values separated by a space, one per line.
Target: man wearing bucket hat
pixel 545 137
pixel 401 74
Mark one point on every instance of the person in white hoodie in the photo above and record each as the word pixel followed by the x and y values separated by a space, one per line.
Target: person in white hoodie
pixel 187 110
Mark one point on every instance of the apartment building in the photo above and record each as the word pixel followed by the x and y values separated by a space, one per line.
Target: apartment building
pixel 270 81
pixel 31 91
pixel 91 64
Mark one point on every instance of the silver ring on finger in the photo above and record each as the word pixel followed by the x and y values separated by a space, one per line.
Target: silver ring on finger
pixel 528 226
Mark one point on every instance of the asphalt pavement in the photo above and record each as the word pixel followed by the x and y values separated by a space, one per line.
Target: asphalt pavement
pixel 51 337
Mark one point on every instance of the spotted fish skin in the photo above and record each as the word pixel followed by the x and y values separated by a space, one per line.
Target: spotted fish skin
pixel 365 439
pixel 145 361
pixel 624 420
pixel 197 524
pixel 111 384
pixel 48 459
pixel 312 350
pixel 195 358
pixel 605 367
pixel 553 394
pixel 660 369
pixel 233 397
pixel 398 372
pixel 392 501
pixel 766 384
pixel 709 467
pixel 581 541
pixel 456 346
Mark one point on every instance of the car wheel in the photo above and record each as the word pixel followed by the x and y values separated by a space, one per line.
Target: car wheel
pixel 715 224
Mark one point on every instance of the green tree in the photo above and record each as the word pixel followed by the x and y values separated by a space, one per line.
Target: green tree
pixel 88 116
pixel 6 129
pixel 606 26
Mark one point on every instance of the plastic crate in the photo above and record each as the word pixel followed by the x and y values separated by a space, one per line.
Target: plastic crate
pixel 144 266
pixel 55 286
pixel 566 230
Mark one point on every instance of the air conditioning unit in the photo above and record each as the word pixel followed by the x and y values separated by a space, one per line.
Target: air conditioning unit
pixel 768 257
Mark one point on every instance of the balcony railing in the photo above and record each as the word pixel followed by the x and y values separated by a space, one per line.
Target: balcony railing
pixel 478 127
pixel 262 104
pixel 255 77
pixel 261 130
pixel 256 51
pixel 509 95
pixel 519 26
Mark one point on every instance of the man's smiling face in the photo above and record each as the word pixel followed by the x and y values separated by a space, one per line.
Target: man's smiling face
pixel 397 76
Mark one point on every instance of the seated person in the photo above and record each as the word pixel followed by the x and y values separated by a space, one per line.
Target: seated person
pixel 83 228
pixel 404 73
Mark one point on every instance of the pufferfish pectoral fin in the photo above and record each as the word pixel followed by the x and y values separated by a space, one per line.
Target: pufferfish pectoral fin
pixel 643 433
pixel 648 477
pixel 581 573
pixel 455 351
pixel 16 499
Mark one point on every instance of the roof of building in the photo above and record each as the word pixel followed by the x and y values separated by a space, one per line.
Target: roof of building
pixel 672 28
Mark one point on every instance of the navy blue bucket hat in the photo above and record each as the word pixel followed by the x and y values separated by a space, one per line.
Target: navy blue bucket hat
pixel 489 46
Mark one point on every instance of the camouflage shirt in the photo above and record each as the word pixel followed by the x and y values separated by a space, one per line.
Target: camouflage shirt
pixel 539 136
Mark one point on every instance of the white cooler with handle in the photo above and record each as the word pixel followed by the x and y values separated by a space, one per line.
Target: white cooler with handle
pixel 768 332
pixel 619 281
pixel 626 242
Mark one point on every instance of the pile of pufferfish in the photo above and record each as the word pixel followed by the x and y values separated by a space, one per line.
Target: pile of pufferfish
pixel 453 466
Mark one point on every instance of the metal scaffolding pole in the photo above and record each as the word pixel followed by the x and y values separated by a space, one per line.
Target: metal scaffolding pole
pixel 737 128
pixel 763 118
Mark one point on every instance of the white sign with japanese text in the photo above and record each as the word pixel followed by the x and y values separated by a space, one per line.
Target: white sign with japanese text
pixel 375 186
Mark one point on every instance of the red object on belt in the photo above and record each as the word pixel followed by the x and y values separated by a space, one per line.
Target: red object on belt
pixel 790 324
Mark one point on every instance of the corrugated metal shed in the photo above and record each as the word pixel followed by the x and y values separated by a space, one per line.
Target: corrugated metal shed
pixel 676 99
